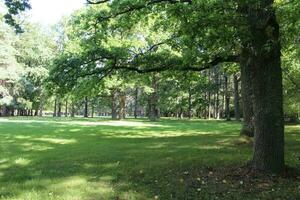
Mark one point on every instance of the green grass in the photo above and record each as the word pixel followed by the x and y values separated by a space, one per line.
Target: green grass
pixel 64 159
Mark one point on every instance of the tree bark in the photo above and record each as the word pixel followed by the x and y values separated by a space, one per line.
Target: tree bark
pixel 227 98
pixel 73 109
pixel 93 108
pixel 59 108
pixel 66 108
pixel 246 90
pixel 190 103
pixel 55 106
pixel 136 102
pixel 236 98
pixel 266 76
pixel 122 105
pixel 41 107
pixel 114 114
pixel 86 114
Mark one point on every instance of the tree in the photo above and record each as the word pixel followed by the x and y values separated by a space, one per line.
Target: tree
pixel 192 41
pixel 15 7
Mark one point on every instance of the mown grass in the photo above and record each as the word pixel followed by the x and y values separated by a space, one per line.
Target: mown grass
pixel 79 159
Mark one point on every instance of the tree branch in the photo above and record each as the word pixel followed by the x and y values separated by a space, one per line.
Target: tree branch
pixel 135 7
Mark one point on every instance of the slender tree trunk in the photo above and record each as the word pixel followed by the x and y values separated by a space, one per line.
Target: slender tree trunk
pixel 86 109
pixel 66 108
pixel 190 104
pixel 55 106
pixel 41 107
pixel 227 98
pixel 93 109
pixel 266 76
pixel 236 98
pixel 209 97
pixel 114 114
pixel 218 100
pixel 59 108
pixel 136 102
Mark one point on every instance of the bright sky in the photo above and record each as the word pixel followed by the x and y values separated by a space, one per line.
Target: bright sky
pixel 48 12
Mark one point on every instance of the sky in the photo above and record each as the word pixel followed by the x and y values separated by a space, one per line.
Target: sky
pixel 49 12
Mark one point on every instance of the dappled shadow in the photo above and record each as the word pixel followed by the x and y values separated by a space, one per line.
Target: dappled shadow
pixel 58 160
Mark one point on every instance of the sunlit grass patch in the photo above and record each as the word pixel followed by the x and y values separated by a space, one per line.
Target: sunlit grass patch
pixel 91 159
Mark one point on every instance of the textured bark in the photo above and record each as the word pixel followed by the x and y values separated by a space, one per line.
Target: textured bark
pixel 41 106
pixel 93 110
pixel 122 105
pixel 86 109
pixel 266 76
pixel 114 114
pixel 136 102
pixel 55 106
pixel 59 108
pixel 209 98
pixel 246 90
pixel 73 109
pixel 227 98
pixel 217 101
pixel 66 109
pixel 236 98
pixel 190 104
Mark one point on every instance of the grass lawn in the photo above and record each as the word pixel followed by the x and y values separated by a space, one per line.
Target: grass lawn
pixel 64 159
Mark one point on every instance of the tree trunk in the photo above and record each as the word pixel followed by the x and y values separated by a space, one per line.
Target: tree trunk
pixel 266 76
pixel 73 109
pixel 55 106
pixel 227 99
pixel 153 100
pixel 246 90
pixel 190 103
pixel 114 114
pixel 59 108
pixel 209 97
pixel 86 114
pixel 122 105
pixel 41 108
pixel 66 108
pixel 217 101
pixel 93 109
pixel 136 102
pixel 236 98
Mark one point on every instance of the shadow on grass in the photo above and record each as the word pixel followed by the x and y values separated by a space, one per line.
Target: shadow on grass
pixel 58 161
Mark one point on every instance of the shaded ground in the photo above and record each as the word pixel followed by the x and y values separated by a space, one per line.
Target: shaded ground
pixel 43 158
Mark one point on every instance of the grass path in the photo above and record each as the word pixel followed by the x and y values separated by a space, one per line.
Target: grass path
pixel 64 159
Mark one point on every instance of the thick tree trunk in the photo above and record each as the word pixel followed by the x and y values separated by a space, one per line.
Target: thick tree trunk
pixel 122 105
pixel 86 109
pixel 266 76
pixel 246 90
pixel 236 98
pixel 73 109
pixel 41 106
pixel 55 106
pixel 114 114
pixel 59 108
pixel 227 98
